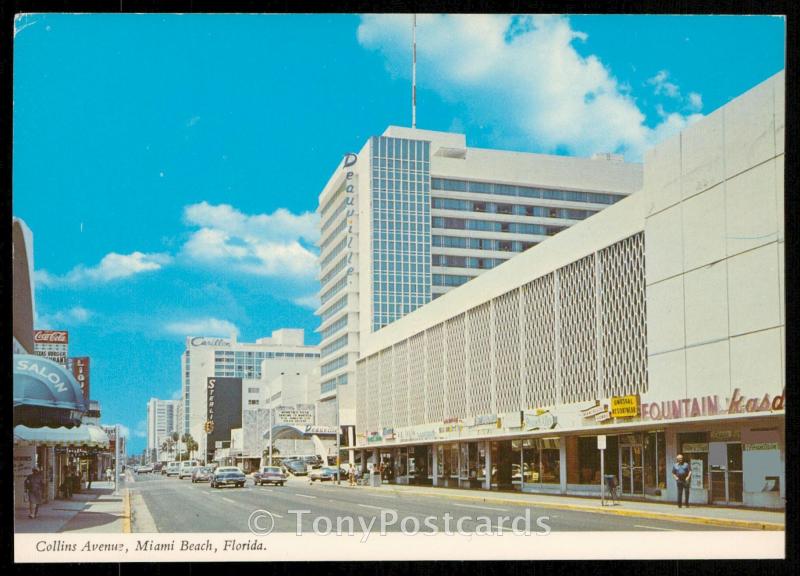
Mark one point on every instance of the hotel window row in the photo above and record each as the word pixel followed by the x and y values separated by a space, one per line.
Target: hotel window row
pixel 523 191
pixel 494 226
pixel 512 209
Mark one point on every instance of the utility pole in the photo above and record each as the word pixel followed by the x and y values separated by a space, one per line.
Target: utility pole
pixel 116 458
pixel 413 76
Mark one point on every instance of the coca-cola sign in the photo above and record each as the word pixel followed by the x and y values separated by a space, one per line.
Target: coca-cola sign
pixel 51 336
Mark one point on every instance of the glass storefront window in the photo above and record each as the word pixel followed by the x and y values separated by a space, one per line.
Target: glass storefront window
pixel 654 462
pixel 530 461
pixel 440 461
pixel 551 461
pixel 516 464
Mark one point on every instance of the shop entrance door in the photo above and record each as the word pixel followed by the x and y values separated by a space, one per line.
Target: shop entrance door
pixel 631 469
pixel 725 462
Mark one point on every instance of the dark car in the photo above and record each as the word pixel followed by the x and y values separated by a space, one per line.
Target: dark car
pixel 323 474
pixel 158 468
pixel 269 475
pixel 226 476
pixel 296 467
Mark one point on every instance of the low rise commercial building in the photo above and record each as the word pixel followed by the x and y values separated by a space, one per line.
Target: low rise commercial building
pixel 656 327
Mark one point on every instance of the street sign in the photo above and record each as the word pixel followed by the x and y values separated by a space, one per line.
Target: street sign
pixel 601 442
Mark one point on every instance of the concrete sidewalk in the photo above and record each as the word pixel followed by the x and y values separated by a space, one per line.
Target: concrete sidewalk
pixel 710 515
pixel 95 510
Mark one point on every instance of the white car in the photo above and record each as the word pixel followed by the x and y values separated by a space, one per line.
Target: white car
pixel 186 469
pixel 173 468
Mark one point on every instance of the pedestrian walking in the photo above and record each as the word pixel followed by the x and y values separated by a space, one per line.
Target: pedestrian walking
pixel 682 473
pixel 34 488
pixel 109 474
pixel 351 475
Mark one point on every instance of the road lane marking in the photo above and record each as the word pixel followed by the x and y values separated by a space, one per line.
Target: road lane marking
pixel 481 507
pixel 304 495
pixel 229 500
pixel 654 527
pixel 377 508
pixel 383 496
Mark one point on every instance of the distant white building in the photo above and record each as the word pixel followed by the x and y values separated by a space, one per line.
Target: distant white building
pixel 285 352
pixel 163 418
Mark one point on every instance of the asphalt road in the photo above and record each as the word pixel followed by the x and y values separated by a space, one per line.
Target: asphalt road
pixel 180 506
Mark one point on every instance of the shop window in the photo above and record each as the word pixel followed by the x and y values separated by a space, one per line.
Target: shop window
pixel 694 446
pixel 584 467
pixel 654 463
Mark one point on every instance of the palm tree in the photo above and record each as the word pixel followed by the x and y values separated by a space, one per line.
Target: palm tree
pixel 185 438
pixel 175 437
pixel 190 443
pixel 168 445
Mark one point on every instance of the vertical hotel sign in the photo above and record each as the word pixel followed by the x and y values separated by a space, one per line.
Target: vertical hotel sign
pixel 80 369
pixel 350 189
pixel 211 398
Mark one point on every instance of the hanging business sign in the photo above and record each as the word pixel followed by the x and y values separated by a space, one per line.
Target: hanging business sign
pixel 625 406
pixel 539 420
pixel 695 447
pixel 760 446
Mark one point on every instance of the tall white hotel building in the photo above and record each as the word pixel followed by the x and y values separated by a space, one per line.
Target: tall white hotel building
pixel 417 213
pixel 163 418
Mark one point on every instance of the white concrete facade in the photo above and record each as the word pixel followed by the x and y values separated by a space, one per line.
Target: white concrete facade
pixel 672 299
pixel 402 226
pixel 285 351
pixel 163 418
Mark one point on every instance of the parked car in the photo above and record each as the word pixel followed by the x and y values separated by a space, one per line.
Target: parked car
pixel 158 467
pixel 173 468
pixel 269 475
pixel 322 474
pixel 296 467
pixel 313 461
pixel 202 474
pixel 145 469
pixel 227 475
pixel 187 466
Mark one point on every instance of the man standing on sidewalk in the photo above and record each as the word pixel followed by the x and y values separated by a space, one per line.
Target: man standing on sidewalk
pixel 34 487
pixel 682 473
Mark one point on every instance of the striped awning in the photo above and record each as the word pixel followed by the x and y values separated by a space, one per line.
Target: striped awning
pixel 86 435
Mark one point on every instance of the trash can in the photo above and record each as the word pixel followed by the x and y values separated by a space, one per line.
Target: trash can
pixel 374 479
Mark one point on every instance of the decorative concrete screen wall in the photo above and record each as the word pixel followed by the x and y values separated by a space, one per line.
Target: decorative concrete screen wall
pixel 573 335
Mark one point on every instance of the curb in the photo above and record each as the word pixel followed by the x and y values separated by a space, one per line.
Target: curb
pixel 706 520
pixel 126 514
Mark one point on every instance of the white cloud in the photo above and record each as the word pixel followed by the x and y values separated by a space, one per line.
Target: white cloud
pixel 261 244
pixel 695 101
pixel 124 431
pixel 664 86
pixel 113 266
pixel 177 394
pixel 64 318
pixel 311 301
pixel 202 327
pixel 524 76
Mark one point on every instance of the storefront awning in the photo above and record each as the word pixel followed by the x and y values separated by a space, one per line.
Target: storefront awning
pixel 45 393
pixel 87 435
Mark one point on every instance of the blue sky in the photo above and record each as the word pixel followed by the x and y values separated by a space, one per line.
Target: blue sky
pixel 169 166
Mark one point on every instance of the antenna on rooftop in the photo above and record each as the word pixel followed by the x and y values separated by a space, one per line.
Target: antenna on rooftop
pixel 414 73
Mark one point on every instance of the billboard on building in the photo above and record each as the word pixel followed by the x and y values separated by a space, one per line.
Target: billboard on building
pixel 51 344
pixel 224 409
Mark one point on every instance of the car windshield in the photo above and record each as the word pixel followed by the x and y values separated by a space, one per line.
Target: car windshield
pixel 271 469
pixel 228 469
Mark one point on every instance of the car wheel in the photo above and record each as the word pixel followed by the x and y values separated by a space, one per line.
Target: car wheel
pixel 281 483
